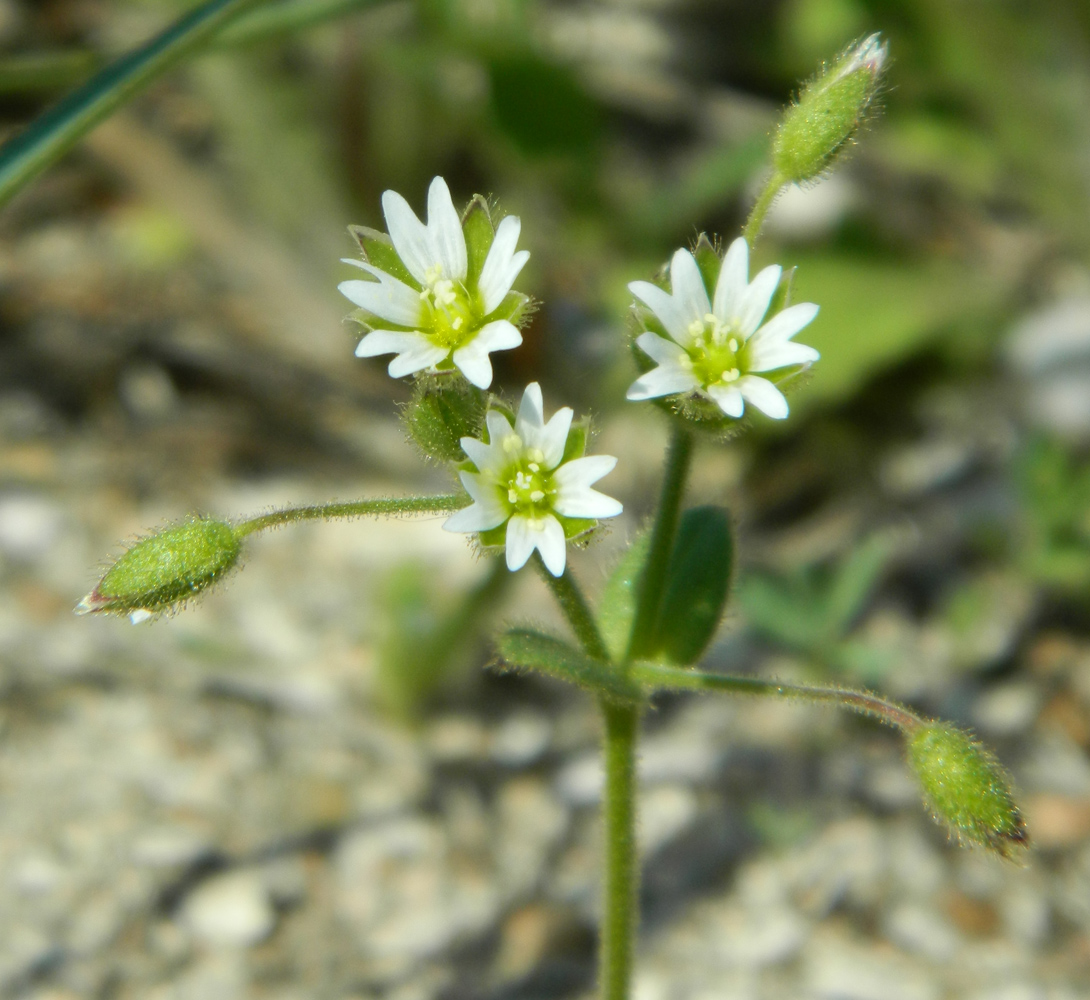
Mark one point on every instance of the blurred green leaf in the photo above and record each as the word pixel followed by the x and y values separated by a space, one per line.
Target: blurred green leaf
pixel 617 607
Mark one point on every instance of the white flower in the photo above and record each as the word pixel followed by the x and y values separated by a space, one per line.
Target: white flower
pixel 720 349
pixel 439 317
pixel 523 481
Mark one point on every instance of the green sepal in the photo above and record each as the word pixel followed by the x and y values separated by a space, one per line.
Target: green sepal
pixel 709 261
pixel 576 444
pixel 575 526
pixel 695 586
pixel 494 538
pixel 781 297
pixel 515 308
pixel 166 568
pixel 479 234
pixel 441 412
pixel 526 649
pixel 617 607
pixel 378 249
pixel 967 789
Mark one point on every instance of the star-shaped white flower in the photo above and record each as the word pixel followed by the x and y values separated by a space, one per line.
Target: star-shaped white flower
pixel 520 478
pixel 720 348
pixel 435 315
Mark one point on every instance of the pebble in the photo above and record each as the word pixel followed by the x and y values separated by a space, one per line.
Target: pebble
pixel 1007 709
pixel 921 930
pixel 521 740
pixel 230 911
pixel 29 525
pixel 839 969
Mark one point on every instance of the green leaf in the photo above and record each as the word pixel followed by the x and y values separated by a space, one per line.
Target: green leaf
pixel 55 132
pixel 855 579
pixel 617 608
pixel 789 611
pixel 530 650
pixel 696 585
pixel 542 107
pixel 709 262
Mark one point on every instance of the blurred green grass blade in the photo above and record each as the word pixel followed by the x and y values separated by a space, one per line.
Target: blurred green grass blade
pixel 284 17
pixel 51 135
pixel 51 70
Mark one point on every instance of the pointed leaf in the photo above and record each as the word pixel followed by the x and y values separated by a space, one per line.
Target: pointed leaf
pixel 479 233
pixel 696 585
pixel 530 650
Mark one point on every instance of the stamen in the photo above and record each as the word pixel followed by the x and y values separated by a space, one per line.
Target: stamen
pixel 512 443
pixel 457 324
pixel 512 496
pixel 696 328
pixel 534 467
pixel 537 496
pixel 732 344
pixel 535 455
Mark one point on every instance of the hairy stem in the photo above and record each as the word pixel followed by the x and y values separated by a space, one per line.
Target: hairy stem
pixel 620 879
pixel 675 678
pixel 574 605
pixel 678 460
pixel 760 209
pixel 354 508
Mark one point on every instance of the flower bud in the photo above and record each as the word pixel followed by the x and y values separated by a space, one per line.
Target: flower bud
pixel 165 569
pixel 828 112
pixel 966 788
pixel 444 410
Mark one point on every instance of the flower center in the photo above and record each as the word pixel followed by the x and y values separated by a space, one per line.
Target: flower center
pixel 717 353
pixel 530 490
pixel 448 317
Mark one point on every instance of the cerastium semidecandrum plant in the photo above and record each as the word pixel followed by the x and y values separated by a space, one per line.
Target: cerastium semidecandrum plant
pixel 710 343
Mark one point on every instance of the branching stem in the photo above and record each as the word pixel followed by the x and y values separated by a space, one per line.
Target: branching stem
pixel 354 508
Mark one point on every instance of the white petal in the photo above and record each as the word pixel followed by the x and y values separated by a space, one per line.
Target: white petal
pixel 587 503
pixel 445 230
pixel 502 265
pixel 390 342
pixel 729 399
pixel 785 324
pixel 487 510
pixel 657 348
pixel 670 312
pixel 688 286
pixel 552 545
pixel 387 298
pixel 472 361
pixel 521 540
pixel 499 427
pixel 499 335
pixel 764 395
pixel 416 359
pixel 733 280
pixel 582 472
pixel 662 381
pixel 409 236
pixel 553 437
pixel 531 412
pixel 756 298
pixel 480 454
pixel 765 357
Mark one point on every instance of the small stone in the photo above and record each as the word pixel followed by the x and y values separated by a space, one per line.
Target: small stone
pixel 1057 821
pixel 580 783
pixel 28 525
pixel 1026 914
pixel 521 740
pixel 231 911
pixel 36 875
pixel 665 811
pixel 921 930
pixel 758 938
pixel 168 847
pixel 1007 709
pixel 838 969
pixel 456 738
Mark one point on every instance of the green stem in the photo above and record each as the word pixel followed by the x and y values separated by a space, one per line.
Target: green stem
pixel 52 134
pixel 354 508
pixel 620 881
pixel 574 605
pixel 678 460
pixel 675 678
pixel 760 209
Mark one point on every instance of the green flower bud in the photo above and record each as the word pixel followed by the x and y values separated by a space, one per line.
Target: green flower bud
pixel 165 569
pixel 444 410
pixel 966 788
pixel 828 112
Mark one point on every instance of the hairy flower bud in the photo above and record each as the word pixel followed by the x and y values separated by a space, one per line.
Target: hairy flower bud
pixel 441 413
pixel 966 788
pixel 828 112
pixel 163 570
